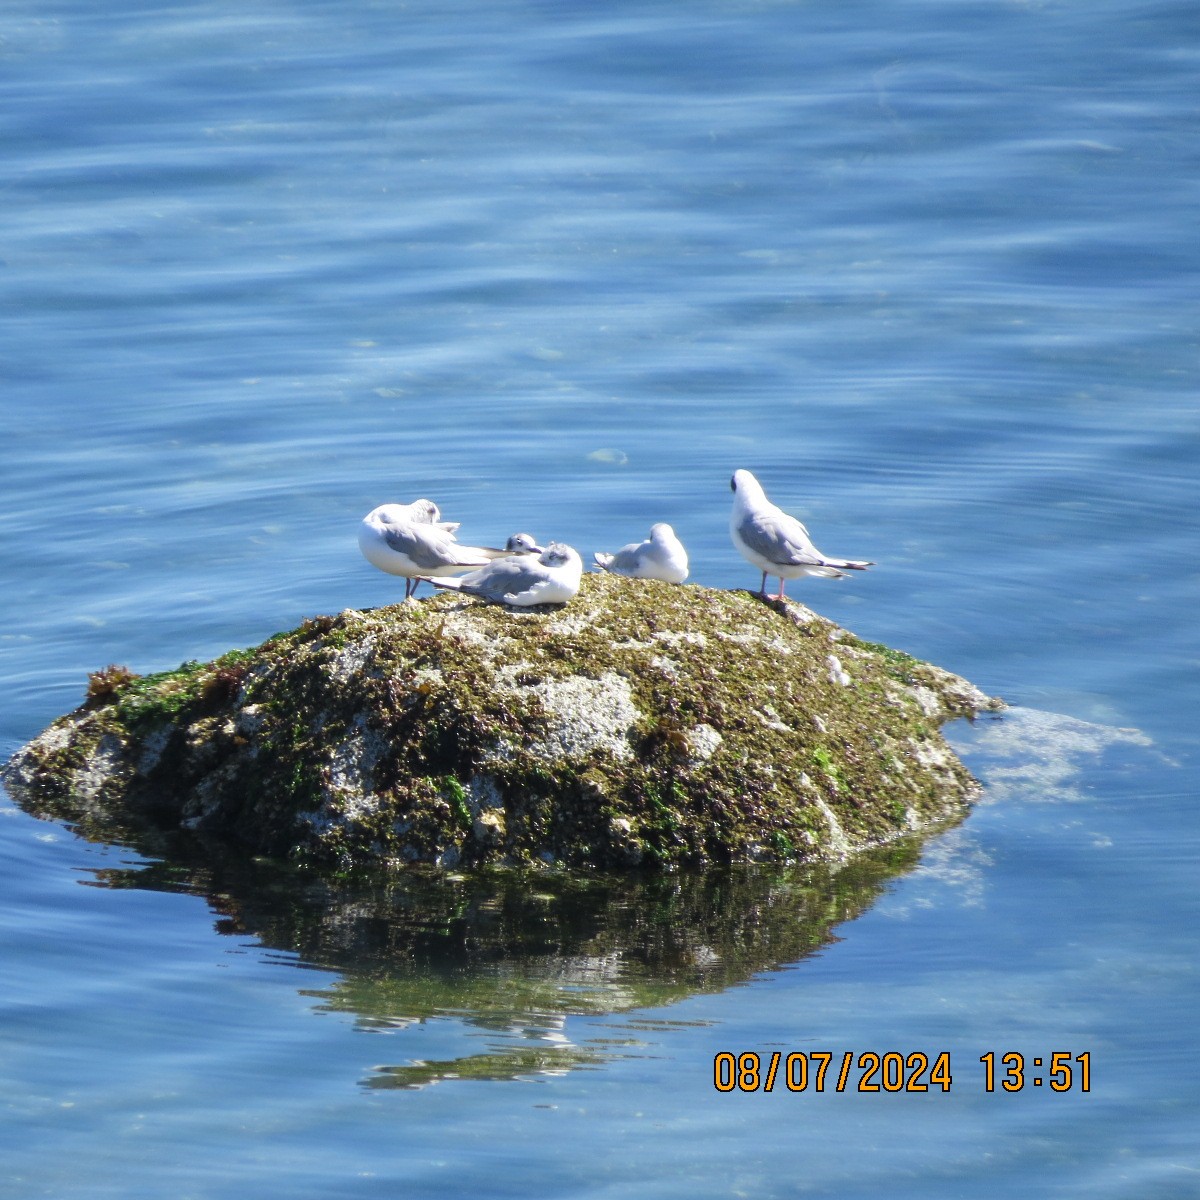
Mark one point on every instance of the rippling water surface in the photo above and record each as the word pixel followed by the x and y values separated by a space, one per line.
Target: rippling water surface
pixel 930 270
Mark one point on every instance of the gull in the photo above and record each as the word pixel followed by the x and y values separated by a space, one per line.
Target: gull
pixel 660 556
pixel 774 542
pixel 416 545
pixel 520 579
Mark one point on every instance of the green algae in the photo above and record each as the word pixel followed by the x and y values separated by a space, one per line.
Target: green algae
pixel 643 724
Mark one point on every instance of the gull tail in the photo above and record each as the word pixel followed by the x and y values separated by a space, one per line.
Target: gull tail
pixel 602 560
pixel 455 585
pixel 847 564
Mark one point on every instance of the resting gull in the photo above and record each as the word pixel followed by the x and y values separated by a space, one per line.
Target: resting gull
pixel 660 556
pixel 551 578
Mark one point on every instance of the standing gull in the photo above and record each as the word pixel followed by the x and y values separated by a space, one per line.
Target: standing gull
pixel 660 556
pixel 551 578
pixel 417 547
pixel 777 544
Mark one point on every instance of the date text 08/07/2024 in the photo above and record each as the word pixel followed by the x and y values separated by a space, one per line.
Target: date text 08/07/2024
pixel 824 1070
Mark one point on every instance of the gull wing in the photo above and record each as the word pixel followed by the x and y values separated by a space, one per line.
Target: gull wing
pixel 780 539
pixel 429 547
pixel 502 578
pixel 629 557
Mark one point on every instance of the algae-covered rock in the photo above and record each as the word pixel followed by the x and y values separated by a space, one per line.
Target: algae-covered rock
pixel 644 723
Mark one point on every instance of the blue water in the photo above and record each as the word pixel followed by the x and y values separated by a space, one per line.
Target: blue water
pixel 929 269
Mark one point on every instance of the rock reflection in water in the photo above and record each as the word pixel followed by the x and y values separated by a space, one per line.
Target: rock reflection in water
pixel 515 955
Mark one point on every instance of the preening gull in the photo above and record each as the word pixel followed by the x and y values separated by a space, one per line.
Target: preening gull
pixel 776 543
pixel 551 578
pixel 660 556
pixel 417 548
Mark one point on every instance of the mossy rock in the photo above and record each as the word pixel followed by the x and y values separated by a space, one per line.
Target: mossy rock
pixel 642 724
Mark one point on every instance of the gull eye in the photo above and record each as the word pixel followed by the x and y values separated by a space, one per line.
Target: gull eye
pixel 732 484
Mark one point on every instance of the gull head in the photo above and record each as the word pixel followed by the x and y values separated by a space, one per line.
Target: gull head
pixel 557 554
pixel 523 543
pixel 425 512
pixel 745 483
